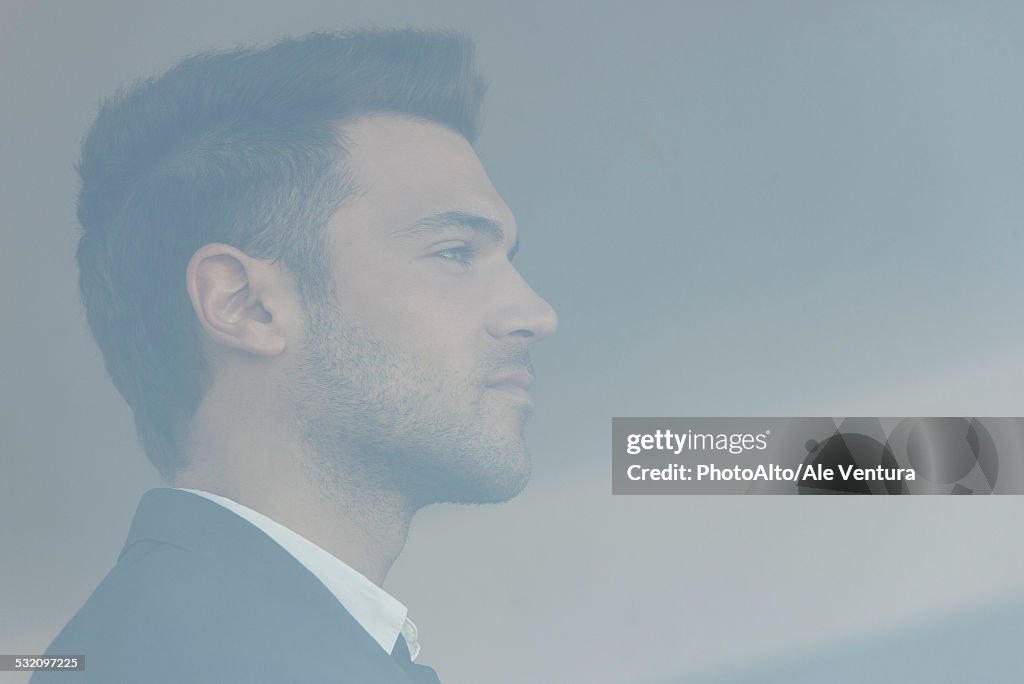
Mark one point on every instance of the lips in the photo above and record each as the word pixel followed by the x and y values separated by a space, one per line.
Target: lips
pixel 516 383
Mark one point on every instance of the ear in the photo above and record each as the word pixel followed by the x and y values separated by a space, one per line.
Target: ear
pixel 239 300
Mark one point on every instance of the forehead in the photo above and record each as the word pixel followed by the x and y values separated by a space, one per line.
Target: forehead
pixel 404 169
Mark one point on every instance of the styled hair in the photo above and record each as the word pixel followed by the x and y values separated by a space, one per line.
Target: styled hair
pixel 239 147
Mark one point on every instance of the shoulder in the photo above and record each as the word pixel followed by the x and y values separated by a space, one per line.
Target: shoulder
pixel 158 604
pixel 199 595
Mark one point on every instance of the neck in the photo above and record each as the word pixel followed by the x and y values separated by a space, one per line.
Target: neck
pixel 360 522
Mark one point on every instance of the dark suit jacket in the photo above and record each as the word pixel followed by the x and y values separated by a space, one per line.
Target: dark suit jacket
pixel 201 595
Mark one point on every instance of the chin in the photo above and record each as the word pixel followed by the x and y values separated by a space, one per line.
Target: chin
pixel 494 490
pixel 489 476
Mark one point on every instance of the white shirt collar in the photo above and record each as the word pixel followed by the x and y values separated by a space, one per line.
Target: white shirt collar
pixel 382 616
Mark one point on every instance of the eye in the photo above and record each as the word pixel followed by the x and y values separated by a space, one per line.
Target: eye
pixel 462 255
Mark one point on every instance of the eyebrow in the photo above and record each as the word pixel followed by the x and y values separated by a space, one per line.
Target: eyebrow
pixel 486 227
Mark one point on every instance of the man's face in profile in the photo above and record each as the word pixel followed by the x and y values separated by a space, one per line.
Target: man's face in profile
pixel 419 369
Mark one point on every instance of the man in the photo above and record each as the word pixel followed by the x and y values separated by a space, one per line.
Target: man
pixel 300 278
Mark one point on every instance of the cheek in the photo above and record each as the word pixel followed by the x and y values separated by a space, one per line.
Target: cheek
pixel 413 306
pixel 446 327
pixel 420 318
pixel 378 295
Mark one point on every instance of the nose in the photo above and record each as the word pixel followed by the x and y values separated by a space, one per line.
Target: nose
pixel 521 313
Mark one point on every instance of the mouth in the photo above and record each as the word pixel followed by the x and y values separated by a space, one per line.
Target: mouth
pixel 515 384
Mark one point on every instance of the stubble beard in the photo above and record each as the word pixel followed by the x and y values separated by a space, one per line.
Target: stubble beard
pixel 379 421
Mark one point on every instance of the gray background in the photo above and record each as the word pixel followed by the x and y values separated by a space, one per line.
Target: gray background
pixel 785 208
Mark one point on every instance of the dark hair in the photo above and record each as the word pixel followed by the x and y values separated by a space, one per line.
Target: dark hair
pixel 239 147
